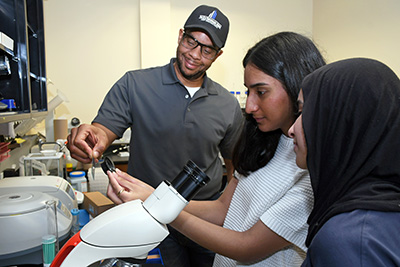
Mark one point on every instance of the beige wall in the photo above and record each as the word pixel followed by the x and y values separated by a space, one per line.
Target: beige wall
pixel 89 45
pixel 358 28
pixel 92 43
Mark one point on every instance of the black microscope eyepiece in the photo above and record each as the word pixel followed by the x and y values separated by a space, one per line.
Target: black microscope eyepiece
pixel 190 180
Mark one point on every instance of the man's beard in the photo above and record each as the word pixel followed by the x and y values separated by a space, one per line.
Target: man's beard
pixel 188 77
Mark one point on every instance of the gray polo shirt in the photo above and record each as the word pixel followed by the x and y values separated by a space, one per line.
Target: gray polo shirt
pixel 168 127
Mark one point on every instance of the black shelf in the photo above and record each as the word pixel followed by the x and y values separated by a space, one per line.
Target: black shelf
pixel 22 21
pixel 6 50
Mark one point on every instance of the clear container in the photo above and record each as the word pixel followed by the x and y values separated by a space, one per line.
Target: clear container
pixel 47 162
pixel 50 244
pixel 49 249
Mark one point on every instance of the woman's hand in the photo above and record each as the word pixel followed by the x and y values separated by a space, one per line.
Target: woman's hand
pixel 123 187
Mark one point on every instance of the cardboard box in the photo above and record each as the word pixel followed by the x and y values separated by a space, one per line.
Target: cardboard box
pixel 95 203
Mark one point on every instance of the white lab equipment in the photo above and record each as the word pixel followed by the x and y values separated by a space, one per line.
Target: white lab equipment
pixel 23 216
pixel 45 162
pixel 132 229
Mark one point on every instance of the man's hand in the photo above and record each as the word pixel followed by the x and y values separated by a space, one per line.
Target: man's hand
pixel 87 141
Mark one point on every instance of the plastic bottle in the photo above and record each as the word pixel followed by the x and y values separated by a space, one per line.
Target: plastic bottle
pixel 243 100
pixel 78 181
pixel 75 222
pixel 69 167
pixel 238 96
pixel 70 163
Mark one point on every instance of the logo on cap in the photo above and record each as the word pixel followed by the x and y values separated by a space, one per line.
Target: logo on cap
pixel 211 19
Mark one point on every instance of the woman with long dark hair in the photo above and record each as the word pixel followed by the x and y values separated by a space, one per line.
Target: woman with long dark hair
pixel 260 219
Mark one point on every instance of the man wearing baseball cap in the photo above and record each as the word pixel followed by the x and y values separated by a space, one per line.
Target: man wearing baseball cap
pixel 176 113
pixel 215 24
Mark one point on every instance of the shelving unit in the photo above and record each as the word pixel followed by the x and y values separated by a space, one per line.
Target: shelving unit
pixel 22 21
pixel 6 50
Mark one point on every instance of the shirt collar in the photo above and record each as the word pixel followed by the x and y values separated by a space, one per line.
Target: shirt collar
pixel 169 77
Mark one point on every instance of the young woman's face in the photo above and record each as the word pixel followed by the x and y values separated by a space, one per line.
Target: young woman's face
pixel 297 133
pixel 267 101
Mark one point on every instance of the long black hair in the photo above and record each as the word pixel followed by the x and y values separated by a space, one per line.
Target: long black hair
pixel 287 57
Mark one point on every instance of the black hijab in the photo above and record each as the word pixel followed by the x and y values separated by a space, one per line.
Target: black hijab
pixel 351 120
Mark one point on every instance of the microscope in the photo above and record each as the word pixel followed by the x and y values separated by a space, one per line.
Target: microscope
pixel 132 229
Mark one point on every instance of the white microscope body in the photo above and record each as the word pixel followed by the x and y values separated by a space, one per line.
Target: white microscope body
pixel 132 229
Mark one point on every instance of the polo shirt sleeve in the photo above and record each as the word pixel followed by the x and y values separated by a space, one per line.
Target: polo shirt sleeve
pixel 288 216
pixel 115 111
pixel 229 141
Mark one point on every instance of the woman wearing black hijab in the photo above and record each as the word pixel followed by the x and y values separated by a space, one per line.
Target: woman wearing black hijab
pixel 351 147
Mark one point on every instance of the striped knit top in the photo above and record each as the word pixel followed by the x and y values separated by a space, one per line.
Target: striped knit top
pixel 280 195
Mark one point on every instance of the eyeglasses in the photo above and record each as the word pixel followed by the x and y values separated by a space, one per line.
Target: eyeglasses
pixel 191 43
